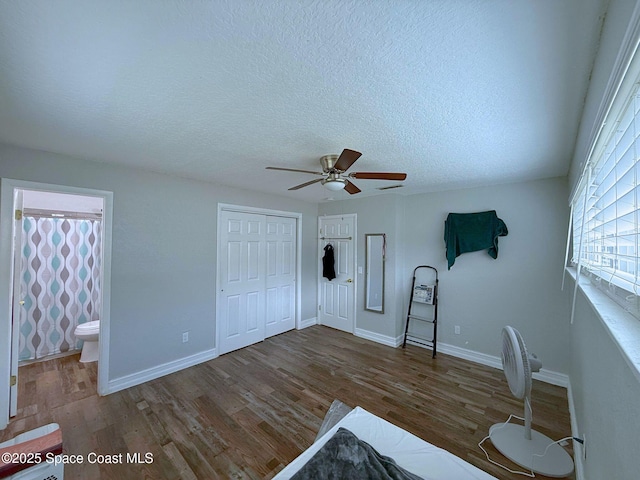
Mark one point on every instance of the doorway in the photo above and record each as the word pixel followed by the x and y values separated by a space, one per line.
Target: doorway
pixel 57 273
pixel 54 275
pixel 337 295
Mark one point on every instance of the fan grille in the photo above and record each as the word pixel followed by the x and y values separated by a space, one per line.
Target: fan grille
pixel 515 363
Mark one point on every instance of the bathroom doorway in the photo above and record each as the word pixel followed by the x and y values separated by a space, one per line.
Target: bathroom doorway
pixel 59 268
pixel 61 273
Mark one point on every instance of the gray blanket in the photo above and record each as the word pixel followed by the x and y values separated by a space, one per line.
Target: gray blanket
pixel 345 456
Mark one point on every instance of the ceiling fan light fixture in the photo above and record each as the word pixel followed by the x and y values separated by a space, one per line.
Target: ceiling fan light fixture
pixel 335 184
pixel 333 175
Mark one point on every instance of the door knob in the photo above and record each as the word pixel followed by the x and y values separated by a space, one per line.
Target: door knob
pixel 21 302
pixel 349 281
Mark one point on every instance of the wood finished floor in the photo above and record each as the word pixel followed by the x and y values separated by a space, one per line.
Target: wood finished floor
pixel 249 413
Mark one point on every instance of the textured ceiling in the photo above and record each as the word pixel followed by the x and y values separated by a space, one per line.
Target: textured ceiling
pixel 456 93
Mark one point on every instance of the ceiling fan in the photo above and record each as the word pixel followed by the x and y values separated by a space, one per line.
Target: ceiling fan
pixel 333 168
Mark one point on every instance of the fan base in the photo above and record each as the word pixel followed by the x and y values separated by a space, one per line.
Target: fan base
pixel 509 439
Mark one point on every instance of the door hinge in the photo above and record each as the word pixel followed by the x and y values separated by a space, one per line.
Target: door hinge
pixel 18 215
pixel 319 307
pixel 13 380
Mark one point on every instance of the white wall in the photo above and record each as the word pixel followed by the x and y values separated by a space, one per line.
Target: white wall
pixel 605 391
pixel 164 253
pixel 520 288
pixel 375 215
pixel 605 394
pixel 480 294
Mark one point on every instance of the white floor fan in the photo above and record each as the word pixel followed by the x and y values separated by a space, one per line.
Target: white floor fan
pixel 521 444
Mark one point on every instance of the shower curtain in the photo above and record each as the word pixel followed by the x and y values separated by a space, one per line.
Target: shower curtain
pixel 60 283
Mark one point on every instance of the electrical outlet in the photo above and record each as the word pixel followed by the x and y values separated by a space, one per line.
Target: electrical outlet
pixel 456 329
pixel 185 337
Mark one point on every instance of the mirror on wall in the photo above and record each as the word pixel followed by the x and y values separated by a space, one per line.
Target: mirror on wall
pixel 375 244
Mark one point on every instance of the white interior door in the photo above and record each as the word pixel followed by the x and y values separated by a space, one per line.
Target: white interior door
pixel 242 266
pixel 280 274
pixel 337 296
pixel 17 301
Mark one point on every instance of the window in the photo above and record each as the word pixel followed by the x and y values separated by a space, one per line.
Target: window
pixel 606 201
pixel 606 209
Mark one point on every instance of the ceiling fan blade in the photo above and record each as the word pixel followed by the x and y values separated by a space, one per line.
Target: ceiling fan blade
pixel 379 175
pixel 346 159
pixel 306 184
pixel 351 188
pixel 293 170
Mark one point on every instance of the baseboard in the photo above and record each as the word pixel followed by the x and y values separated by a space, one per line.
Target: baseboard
pixel 379 338
pixel 554 378
pixel 138 378
pixel 575 432
pixel 472 356
pixel 307 323
pixel 544 375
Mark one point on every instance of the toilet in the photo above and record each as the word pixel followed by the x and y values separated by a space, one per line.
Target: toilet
pixel 89 333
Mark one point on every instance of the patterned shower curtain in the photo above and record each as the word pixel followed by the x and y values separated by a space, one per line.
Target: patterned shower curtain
pixel 60 283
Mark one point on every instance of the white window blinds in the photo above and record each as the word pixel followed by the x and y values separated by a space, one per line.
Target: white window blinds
pixel 606 233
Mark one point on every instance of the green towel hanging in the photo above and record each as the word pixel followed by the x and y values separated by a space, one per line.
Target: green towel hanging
pixel 470 232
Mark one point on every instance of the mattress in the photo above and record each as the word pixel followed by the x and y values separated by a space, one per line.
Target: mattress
pixel 410 452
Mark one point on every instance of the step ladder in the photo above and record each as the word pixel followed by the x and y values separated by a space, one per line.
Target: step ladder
pixel 423 307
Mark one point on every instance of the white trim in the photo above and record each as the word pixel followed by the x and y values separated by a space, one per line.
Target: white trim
pixel 622 327
pixel 8 186
pixel 307 323
pixel 230 207
pixel 152 373
pixel 379 338
pixel 554 378
pixel 354 239
pixel 472 356
pixel 544 375
pixel 261 211
pixel 575 432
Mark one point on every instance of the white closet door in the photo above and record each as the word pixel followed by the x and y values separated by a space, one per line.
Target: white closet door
pixel 242 280
pixel 281 274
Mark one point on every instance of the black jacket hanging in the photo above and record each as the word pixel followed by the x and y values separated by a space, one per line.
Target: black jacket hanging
pixel 328 262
